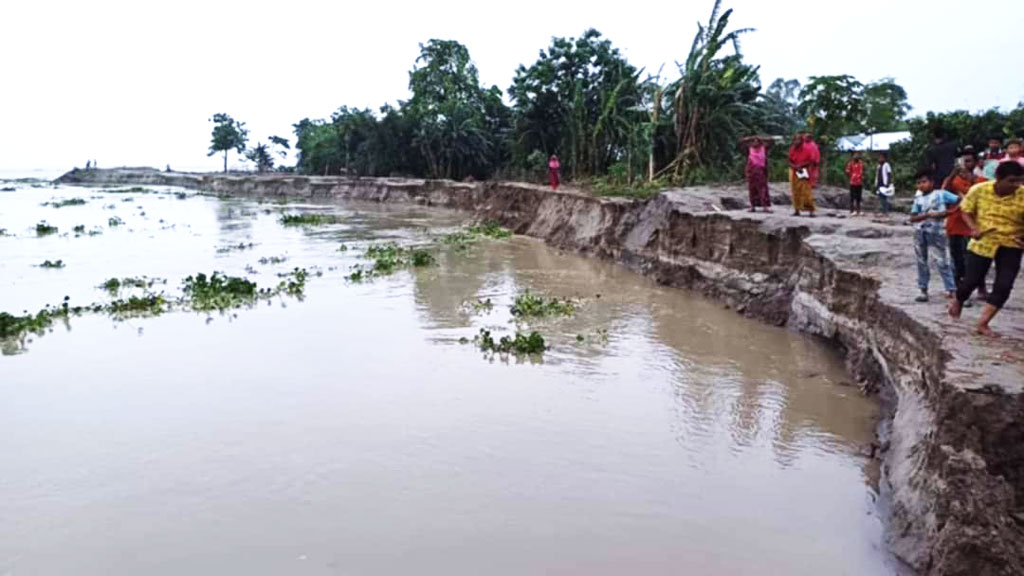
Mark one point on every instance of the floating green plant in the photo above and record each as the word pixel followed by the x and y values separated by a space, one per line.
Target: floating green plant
pixel 148 305
pixel 483 305
pixel 80 229
pixel 64 203
pixel 132 190
pixel 465 237
pixel 180 195
pixel 312 219
pixel 114 221
pixel 44 229
pixel 389 257
pixel 52 264
pixel 235 248
pixel 115 285
pixel 218 292
pixel 529 304
pixel 520 344
pixel 272 260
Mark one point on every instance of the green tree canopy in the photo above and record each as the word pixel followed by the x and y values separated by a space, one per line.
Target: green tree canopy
pixel 834 106
pixel 579 100
pixel 260 155
pixel 228 134
pixel 885 106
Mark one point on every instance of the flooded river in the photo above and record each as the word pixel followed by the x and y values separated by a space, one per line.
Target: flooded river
pixel 355 431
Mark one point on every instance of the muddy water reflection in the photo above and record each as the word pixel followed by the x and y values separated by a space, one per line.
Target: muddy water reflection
pixel 352 434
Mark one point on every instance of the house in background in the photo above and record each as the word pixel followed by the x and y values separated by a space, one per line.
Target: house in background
pixel 871 142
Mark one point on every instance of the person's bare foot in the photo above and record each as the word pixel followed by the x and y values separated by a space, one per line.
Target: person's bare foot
pixel 982 330
pixel 955 308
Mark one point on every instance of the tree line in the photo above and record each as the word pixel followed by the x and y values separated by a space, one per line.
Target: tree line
pixel 582 100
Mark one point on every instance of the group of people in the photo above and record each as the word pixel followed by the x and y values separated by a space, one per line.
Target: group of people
pixel 804 160
pixel 975 221
pixel 968 209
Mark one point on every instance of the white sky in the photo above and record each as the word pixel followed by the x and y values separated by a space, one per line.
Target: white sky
pixel 134 83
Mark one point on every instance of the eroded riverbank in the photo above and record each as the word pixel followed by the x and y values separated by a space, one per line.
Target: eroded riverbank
pixel 953 461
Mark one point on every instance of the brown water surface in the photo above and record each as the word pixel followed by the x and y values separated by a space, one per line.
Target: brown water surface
pixel 352 432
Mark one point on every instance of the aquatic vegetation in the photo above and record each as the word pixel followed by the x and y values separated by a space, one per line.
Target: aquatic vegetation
pixel 114 221
pixel 132 190
pixel 529 304
pixel 80 229
pixel 490 230
pixel 314 219
pixel 343 248
pixel 96 232
pixel 389 257
pixel 53 264
pixel 218 292
pixel 465 237
pixel 272 260
pixel 115 285
pixel 483 305
pixel 358 274
pixel 235 248
pixel 518 345
pixel 3 232
pixel 180 195
pixel 63 203
pixel 148 305
pixel 294 283
pixel 44 229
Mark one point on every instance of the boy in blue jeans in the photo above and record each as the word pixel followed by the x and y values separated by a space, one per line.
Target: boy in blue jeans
pixel 928 215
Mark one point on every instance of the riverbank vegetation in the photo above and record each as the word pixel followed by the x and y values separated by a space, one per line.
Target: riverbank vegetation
pixel 618 129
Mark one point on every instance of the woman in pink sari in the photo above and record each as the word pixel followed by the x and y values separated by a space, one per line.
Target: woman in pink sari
pixel 553 172
pixel 757 171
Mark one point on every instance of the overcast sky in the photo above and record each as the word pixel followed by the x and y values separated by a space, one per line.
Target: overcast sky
pixel 134 83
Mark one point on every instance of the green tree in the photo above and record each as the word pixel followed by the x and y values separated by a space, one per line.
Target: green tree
pixel 281 144
pixel 260 155
pixel 228 134
pixel 450 112
pixel 834 106
pixel 714 100
pixel 779 103
pixel 885 106
pixel 580 100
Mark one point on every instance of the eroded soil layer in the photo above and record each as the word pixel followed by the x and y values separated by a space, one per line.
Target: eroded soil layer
pixel 953 445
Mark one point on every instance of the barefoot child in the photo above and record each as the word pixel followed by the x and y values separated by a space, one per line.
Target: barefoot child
pixel 994 211
pixel 960 182
pixel 928 214
pixel 855 172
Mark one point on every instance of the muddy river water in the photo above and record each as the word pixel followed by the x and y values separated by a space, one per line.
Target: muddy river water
pixel 355 432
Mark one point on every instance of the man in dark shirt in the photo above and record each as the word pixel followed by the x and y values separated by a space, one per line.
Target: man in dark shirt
pixel 941 157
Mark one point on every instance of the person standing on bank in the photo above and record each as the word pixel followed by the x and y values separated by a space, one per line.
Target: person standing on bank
pixel 757 171
pixel 554 172
pixel 941 157
pixel 995 213
pixel 884 186
pixel 958 232
pixel 855 172
pixel 928 214
pixel 803 166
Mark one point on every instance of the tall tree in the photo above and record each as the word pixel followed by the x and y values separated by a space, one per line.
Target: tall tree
pixel 281 144
pixel 260 155
pixel 886 106
pixel 715 98
pixel 228 134
pixel 579 100
pixel 450 111
pixel 834 106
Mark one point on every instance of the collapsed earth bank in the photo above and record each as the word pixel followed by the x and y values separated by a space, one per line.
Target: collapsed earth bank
pixel 952 442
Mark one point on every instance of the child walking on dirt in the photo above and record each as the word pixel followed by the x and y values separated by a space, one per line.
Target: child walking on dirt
pixel 757 171
pixel 928 214
pixel 994 211
pixel 855 172
pixel 959 182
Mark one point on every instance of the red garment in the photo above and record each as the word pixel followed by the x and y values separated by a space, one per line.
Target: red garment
pixel 806 153
pixel 855 170
pixel 553 176
pixel 955 225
